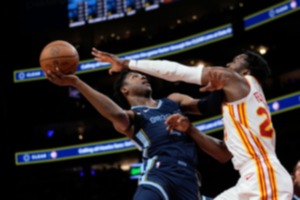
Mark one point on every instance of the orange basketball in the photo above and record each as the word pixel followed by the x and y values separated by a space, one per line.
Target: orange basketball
pixel 61 54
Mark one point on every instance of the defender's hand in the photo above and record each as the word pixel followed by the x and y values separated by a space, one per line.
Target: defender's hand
pixel 216 81
pixel 117 64
pixel 178 122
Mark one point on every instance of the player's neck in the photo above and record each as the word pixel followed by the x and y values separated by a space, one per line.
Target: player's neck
pixel 142 101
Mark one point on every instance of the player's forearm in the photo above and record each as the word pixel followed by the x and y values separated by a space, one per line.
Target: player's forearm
pixel 212 146
pixel 167 70
pixel 103 104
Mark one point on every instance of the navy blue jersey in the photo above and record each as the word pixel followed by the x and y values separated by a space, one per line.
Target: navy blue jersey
pixel 155 140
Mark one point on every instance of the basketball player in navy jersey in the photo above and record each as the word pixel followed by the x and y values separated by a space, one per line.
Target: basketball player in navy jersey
pixel 169 158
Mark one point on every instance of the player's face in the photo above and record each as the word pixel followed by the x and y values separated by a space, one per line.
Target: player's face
pixel 136 82
pixel 238 64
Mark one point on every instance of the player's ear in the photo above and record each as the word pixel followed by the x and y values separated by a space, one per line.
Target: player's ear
pixel 124 90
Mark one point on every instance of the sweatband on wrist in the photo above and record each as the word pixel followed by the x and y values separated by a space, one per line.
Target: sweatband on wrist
pixel 168 70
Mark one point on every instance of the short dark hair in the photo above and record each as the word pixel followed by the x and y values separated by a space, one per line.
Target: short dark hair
pixel 118 95
pixel 258 65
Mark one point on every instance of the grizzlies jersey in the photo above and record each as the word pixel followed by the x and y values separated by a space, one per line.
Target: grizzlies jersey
pixel 153 138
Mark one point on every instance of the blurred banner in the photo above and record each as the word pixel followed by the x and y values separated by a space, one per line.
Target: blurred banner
pixel 276 106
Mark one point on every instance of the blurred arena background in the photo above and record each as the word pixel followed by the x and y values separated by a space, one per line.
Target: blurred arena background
pixel 39 117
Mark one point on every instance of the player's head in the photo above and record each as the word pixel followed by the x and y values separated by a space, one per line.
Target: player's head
pixel 250 62
pixel 131 84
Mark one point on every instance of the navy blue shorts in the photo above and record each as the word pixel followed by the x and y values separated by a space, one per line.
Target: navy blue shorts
pixel 168 179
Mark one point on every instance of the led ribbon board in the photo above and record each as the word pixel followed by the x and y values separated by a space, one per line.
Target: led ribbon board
pixel 157 51
pixel 72 152
pixel 271 13
pixel 276 106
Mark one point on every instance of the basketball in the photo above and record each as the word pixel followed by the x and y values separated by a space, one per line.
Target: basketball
pixel 59 54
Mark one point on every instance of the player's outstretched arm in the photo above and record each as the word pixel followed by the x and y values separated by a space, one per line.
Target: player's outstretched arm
pixel 164 69
pixel 213 78
pixel 212 146
pixel 121 119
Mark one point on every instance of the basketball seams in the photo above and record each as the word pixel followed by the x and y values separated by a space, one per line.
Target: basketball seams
pixel 70 68
pixel 59 57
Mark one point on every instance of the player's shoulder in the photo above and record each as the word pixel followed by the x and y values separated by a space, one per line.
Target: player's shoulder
pixel 176 96
pixel 170 99
pixel 252 81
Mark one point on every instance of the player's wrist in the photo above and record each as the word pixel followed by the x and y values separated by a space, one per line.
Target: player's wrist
pixel 75 82
pixel 131 64
pixel 191 130
pixel 125 63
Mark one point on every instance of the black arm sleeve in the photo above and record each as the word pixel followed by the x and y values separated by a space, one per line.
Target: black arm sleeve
pixel 138 122
pixel 212 104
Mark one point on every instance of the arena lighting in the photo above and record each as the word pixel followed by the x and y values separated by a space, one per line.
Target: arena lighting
pixel 202 63
pixel 81 173
pixel 81 131
pixel 198 63
pixel 262 49
pixel 50 133
pixel 276 106
pixel 93 172
pixel 74 93
pixel 125 166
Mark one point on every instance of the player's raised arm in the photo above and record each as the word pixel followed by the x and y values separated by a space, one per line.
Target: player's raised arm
pixel 121 119
pixel 164 69
pixel 213 78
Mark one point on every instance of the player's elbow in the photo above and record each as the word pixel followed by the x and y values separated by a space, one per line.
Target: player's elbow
pixel 121 122
pixel 224 158
pixel 225 155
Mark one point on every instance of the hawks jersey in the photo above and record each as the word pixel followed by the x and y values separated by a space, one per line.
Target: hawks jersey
pixel 153 138
pixel 248 129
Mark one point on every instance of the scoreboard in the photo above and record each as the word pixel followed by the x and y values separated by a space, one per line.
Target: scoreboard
pixel 81 12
